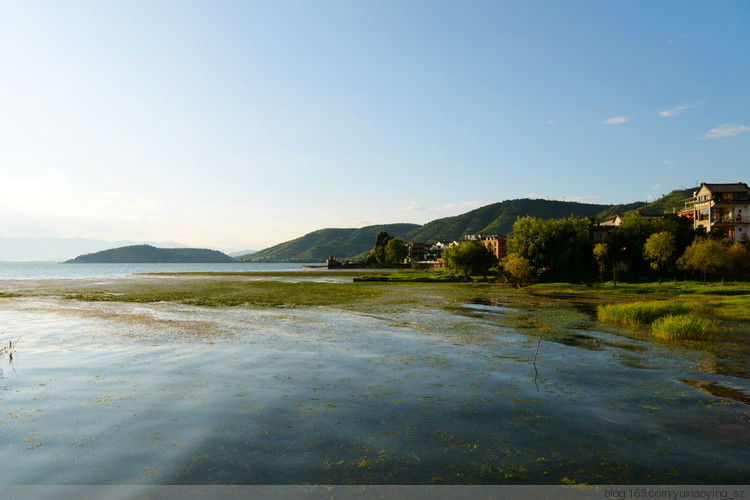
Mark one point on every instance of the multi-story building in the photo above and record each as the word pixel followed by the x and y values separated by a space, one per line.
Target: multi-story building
pixel 496 245
pixel 725 207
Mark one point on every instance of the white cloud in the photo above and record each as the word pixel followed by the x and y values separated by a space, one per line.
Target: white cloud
pixel 668 163
pixel 616 120
pixel 676 110
pixel 413 206
pixel 656 186
pixel 726 131
pixel 461 205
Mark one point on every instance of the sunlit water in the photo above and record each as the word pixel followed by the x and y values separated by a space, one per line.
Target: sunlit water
pixel 54 270
pixel 173 394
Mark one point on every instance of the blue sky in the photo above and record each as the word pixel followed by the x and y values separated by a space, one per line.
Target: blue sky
pixel 242 124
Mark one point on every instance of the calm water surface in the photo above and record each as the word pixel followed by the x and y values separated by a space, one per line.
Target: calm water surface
pixel 54 270
pixel 173 394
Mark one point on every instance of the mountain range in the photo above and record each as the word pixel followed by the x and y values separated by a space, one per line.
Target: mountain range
pixel 494 219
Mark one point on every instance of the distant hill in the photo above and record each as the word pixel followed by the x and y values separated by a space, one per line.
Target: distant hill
pixel 494 219
pixel 498 218
pixel 319 245
pixel 146 254
pixel 62 249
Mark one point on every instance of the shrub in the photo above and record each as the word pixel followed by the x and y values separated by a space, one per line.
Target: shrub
pixel 640 313
pixel 686 326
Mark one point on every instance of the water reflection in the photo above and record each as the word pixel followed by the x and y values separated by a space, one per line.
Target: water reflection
pixel 334 397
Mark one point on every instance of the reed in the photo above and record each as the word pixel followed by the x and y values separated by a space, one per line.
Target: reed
pixel 640 313
pixel 684 326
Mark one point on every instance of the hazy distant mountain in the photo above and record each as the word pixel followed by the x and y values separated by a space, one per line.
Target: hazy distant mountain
pixel 242 253
pixel 61 249
pixel 494 219
pixel 143 254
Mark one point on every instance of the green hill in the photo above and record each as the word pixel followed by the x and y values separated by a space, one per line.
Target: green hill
pixel 499 218
pixel 146 254
pixel 494 219
pixel 319 245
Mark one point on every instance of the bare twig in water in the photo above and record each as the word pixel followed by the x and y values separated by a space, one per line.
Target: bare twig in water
pixel 537 351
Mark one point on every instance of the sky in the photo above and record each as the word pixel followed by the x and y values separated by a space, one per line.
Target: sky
pixel 242 124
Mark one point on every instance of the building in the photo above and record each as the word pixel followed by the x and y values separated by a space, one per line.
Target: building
pixel 418 251
pixel 496 245
pixel 601 229
pixel 723 207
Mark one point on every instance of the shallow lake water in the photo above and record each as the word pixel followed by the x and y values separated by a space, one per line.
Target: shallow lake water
pixel 161 393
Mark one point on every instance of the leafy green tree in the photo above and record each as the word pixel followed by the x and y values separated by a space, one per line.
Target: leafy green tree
pixel 705 256
pixel 738 259
pixel 518 269
pixel 553 244
pixel 660 250
pixel 469 258
pixel 395 251
pixel 378 252
pixel 600 254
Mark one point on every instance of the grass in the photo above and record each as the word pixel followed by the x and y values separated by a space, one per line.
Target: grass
pixel 685 326
pixel 227 292
pixel 668 320
pixel 640 313
pixel 414 276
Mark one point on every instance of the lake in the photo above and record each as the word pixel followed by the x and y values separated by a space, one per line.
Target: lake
pixel 165 393
pixel 54 270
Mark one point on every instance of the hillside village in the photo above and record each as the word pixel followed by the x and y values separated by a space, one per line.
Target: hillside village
pixel 713 208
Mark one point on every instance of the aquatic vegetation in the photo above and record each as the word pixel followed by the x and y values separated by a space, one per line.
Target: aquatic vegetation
pixel 640 313
pixel 232 292
pixel 685 326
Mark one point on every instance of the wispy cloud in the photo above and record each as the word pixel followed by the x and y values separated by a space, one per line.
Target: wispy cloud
pixel 726 131
pixel 678 110
pixel 618 120
pixel 412 207
pixel 668 163
pixel 460 205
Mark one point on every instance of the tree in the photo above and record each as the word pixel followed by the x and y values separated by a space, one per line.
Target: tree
pixel 553 244
pixel 469 257
pixel 518 269
pixel 705 255
pixel 738 259
pixel 378 252
pixel 600 254
pixel 395 251
pixel 659 250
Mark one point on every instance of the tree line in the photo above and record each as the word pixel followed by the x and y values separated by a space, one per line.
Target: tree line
pixel 546 248
pixel 639 245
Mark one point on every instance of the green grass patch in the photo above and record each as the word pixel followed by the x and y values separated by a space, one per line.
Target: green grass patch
pixel 684 326
pixel 224 292
pixel 414 276
pixel 640 313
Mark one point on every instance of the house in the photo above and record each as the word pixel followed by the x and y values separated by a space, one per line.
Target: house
pixel 723 207
pixel 601 229
pixel 417 251
pixel 496 245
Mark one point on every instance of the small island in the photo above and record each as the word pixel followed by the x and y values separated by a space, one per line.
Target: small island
pixel 147 254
